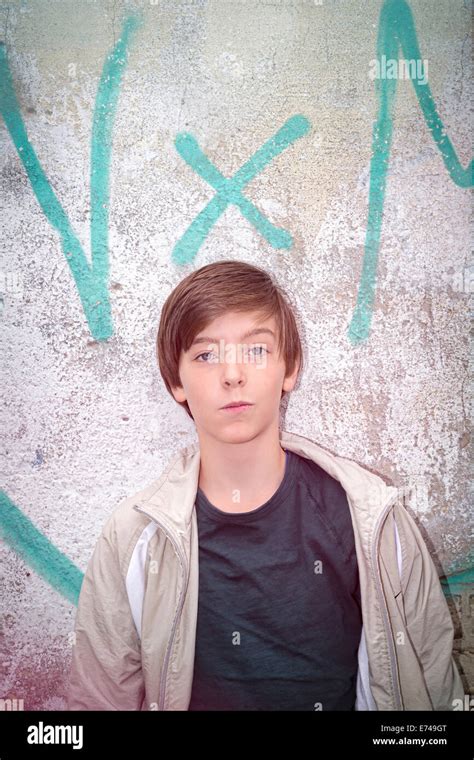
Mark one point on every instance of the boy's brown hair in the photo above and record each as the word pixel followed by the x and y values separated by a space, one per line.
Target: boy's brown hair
pixel 208 293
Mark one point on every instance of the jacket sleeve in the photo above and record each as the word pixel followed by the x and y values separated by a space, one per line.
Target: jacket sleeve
pixel 106 671
pixel 429 622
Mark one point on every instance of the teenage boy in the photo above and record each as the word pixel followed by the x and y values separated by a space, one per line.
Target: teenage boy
pixel 260 571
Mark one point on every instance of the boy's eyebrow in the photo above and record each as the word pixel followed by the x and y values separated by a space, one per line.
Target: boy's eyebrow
pixel 248 334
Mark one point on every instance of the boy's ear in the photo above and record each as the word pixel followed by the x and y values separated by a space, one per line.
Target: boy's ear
pixel 290 380
pixel 178 393
pixel 178 390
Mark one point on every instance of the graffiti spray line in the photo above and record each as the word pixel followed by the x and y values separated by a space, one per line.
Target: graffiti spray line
pixel 396 29
pixel 230 190
pixel 24 538
pixel 91 281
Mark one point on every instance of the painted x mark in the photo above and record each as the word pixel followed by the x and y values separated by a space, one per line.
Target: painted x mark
pixel 230 190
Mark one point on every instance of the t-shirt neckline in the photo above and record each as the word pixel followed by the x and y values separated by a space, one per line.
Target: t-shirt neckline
pixel 203 503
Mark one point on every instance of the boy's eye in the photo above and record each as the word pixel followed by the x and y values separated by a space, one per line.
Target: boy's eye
pixel 206 353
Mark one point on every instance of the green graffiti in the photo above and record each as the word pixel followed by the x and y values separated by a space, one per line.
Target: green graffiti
pixel 91 281
pixel 396 29
pixel 21 535
pixel 230 190
pixel 459 582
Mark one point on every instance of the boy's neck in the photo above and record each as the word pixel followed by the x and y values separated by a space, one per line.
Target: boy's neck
pixel 239 477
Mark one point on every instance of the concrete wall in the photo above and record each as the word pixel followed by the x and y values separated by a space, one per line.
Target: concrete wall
pixel 360 208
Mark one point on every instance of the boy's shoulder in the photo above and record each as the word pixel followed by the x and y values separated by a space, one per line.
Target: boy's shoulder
pixel 355 477
pixel 124 519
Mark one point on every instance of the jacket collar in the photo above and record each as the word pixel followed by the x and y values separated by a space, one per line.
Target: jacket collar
pixel 173 495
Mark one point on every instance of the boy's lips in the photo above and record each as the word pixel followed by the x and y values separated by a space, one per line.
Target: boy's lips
pixel 236 406
pixel 240 402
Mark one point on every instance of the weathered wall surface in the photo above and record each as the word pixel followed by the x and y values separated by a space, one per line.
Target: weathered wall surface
pixel 360 207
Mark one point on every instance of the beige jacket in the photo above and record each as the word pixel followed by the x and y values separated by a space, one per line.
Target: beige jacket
pixel 136 618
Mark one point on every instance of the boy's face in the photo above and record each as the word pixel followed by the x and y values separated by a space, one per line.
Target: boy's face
pixel 225 364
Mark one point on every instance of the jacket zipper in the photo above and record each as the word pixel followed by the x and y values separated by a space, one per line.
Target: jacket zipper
pixel 383 606
pixel 184 574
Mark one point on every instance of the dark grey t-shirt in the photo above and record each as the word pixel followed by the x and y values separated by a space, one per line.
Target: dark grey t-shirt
pixel 279 618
